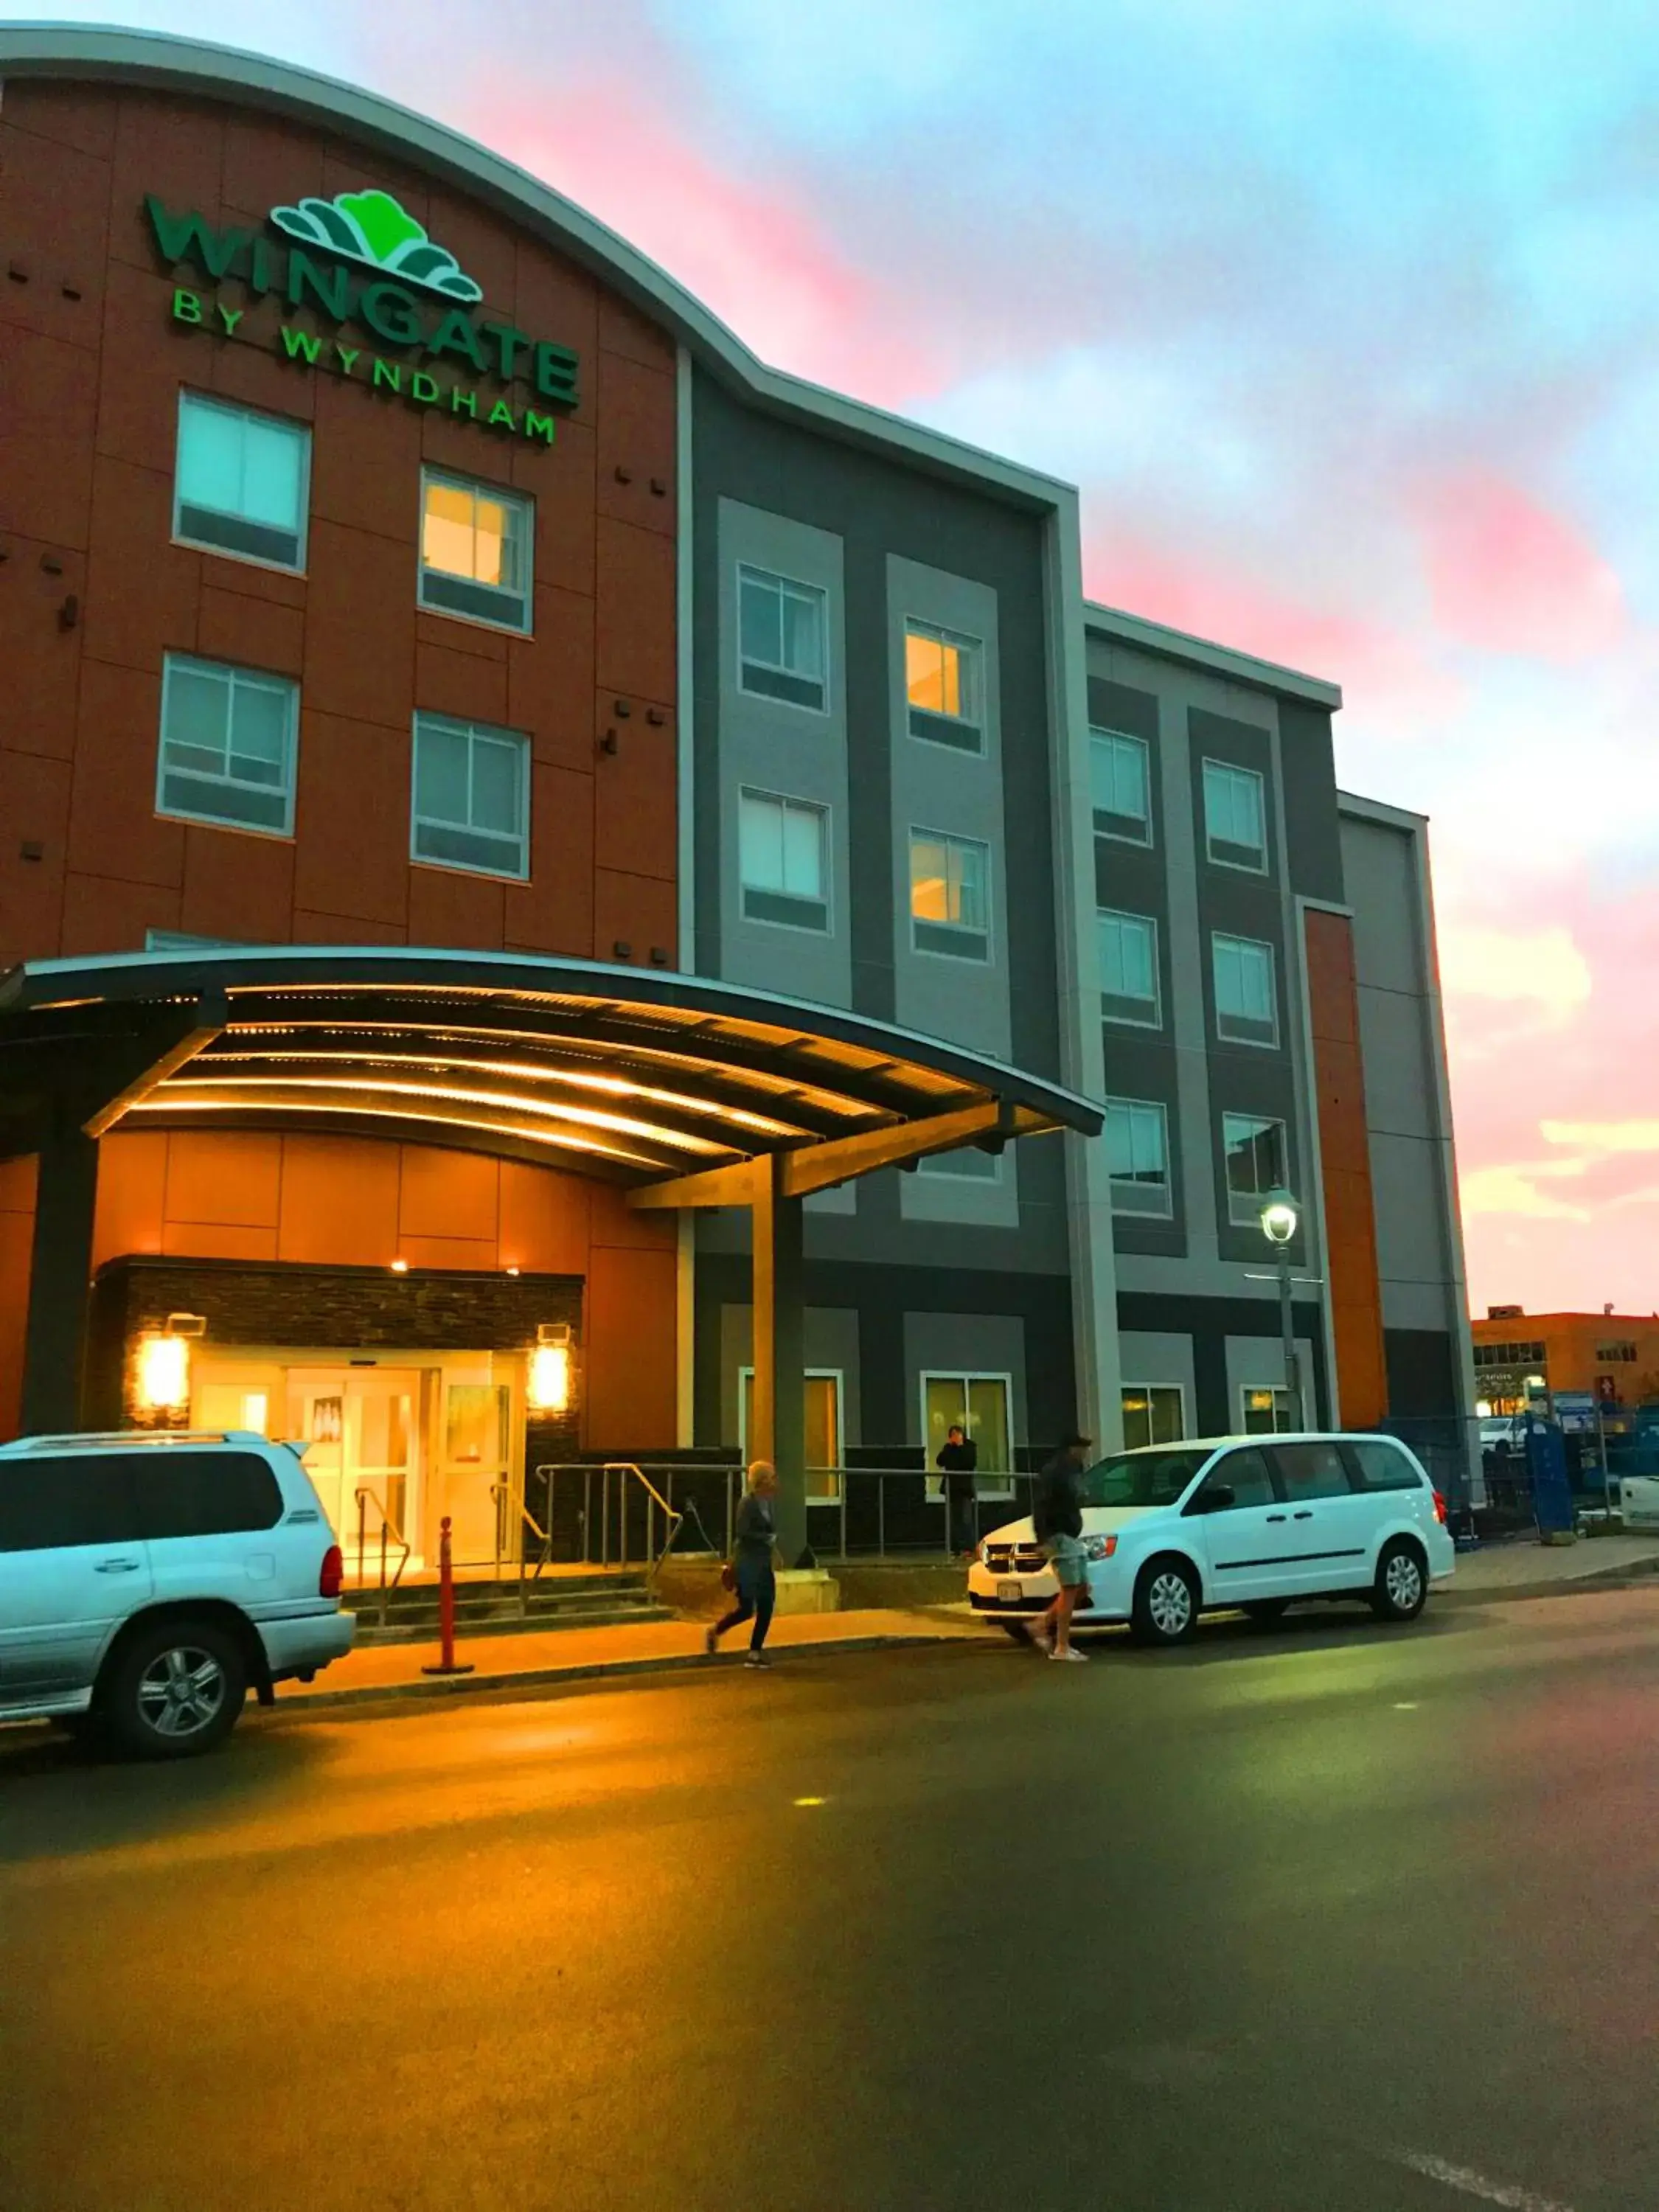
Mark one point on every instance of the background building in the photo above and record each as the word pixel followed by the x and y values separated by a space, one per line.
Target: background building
pixel 1615 1357
pixel 394 558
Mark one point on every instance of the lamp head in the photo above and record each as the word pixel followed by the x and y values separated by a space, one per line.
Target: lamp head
pixel 1278 1217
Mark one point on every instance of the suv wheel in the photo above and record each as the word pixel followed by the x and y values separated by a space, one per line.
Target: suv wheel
pixel 1166 1602
pixel 1403 1583
pixel 174 1689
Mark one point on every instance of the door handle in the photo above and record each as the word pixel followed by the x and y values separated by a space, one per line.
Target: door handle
pixel 116 1567
pixel 1277 1517
pixel 1305 1514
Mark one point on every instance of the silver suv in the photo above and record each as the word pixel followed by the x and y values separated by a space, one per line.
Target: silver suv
pixel 147 1581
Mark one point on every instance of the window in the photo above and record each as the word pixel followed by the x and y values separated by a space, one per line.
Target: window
pixel 969 1164
pixel 1268 1412
pixel 1128 969
pixel 205 1493
pixel 242 484
pixel 978 1405
pixel 1137 1156
pixel 1246 1004
pixel 950 894
pixel 1311 1472
pixel 826 1450
pixel 1153 1413
pixel 1610 1355
pixel 52 1504
pixel 1235 815
pixel 1246 1475
pixel 1120 786
pixel 1255 1147
pixel 782 639
pixel 1380 1467
pixel 227 745
pixel 476 550
pixel 472 797
pixel 781 860
pixel 942 684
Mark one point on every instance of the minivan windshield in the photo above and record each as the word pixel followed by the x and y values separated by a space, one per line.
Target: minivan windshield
pixel 1142 1478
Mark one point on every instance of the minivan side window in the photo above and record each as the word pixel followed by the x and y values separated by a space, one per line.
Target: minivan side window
pixel 1246 1475
pixel 1380 1467
pixel 1309 1472
pixel 53 1504
pixel 206 1493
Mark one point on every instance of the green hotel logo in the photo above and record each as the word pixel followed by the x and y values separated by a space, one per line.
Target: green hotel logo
pixel 397 327
pixel 370 227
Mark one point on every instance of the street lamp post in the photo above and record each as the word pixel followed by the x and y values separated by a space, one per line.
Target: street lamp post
pixel 1278 1226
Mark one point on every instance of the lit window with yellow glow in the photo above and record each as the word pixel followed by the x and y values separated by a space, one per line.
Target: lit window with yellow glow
pixel 942 686
pixel 476 550
pixel 950 895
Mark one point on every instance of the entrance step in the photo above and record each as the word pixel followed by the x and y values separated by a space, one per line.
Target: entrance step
pixel 489 1608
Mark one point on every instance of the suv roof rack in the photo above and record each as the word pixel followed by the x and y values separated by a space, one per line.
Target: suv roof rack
pixel 96 1439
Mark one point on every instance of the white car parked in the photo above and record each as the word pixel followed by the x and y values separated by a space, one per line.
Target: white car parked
pixel 147 1581
pixel 1255 1522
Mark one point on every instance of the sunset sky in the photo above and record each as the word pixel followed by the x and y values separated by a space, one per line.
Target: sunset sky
pixel 1346 320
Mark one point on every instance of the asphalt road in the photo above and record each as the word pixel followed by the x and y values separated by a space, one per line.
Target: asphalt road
pixel 1330 1917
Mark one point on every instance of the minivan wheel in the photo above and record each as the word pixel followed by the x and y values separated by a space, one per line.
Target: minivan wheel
pixel 1166 1602
pixel 1402 1581
pixel 174 1689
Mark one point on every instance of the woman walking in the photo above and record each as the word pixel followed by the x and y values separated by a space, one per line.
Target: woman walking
pixel 758 1585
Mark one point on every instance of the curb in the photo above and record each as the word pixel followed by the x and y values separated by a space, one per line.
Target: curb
pixel 1601 1578
pixel 589 1670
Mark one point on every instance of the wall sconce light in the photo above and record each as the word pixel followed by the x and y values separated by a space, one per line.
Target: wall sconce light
pixel 164 1364
pixel 548 1389
pixel 400 1267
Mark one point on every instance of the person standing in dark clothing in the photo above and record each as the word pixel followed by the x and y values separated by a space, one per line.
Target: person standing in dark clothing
pixel 957 1459
pixel 756 1581
pixel 1057 1523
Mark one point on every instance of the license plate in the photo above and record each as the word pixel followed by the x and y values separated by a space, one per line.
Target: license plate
pixel 1011 1593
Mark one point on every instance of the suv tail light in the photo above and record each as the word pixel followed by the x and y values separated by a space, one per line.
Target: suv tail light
pixel 1440 1508
pixel 333 1573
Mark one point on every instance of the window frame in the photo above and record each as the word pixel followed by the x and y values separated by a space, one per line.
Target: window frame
pixel 1101 732
pixel 936 1492
pixel 1283 1402
pixel 1252 775
pixel 1218 939
pixel 520 503
pixel 1147 1389
pixel 1251 1219
pixel 188 397
pixel 966 930
pixel 472 728
pixel 257 678
pixel 826 864
pixel 974 648
pixel 1133 1021
pixel 988 1178
pixel 1166 1211
pixel 798 585
pixel 832 1495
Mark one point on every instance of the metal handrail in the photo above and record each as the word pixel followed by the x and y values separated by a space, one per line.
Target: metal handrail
pixel 655 1503
pixel 501 1492
pixel 366 1496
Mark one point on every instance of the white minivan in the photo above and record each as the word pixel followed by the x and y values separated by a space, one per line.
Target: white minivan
pixel 1252 1522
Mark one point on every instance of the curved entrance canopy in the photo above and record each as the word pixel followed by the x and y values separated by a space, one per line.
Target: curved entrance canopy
pixel 674 1084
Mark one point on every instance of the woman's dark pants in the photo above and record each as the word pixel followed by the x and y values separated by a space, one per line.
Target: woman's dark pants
pixel 757 1593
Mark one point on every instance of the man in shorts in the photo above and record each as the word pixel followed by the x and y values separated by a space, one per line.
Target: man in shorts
pixel 1057 1522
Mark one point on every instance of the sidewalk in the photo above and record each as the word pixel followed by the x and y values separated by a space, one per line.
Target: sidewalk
pixel 575 1655
pixel 1490 1576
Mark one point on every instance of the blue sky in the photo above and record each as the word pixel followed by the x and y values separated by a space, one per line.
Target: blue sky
pixel 1345 320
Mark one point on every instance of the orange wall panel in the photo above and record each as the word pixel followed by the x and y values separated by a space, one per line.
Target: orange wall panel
pixel 206 1240
pixel 1345 1159
pixel 17 1242
pixel 629 1401
pixel 544 1220
pixel 449 1194
pixel 132 1180
pixel 224 1176
pixel 339 1201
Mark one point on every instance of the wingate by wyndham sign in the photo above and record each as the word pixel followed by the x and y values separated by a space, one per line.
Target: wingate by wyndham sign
pixel 412 309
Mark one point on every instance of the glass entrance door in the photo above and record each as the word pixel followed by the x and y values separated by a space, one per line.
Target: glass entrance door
pixel 979 1405
pixel 475 1431
pixel 821 1416
pixel 361 1427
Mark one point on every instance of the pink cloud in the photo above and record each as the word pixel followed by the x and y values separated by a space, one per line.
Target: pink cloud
pixel 746 246
pixel 1380 669
pixel 1506 575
